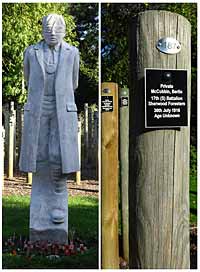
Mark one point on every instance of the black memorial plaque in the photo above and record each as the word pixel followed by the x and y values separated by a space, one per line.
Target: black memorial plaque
pixel 106 103
pixel 165 98
pixel 124 101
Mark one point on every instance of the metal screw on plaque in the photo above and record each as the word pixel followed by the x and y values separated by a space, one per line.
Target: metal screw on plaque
pixel 168 76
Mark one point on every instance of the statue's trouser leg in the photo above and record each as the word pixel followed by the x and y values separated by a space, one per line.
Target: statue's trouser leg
pixel 49 150
pixel 55 157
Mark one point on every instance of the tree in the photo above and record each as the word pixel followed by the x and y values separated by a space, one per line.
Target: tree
pixel 87 30
pixel 22 26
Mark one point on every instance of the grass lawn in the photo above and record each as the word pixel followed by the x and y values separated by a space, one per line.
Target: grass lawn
pixel 83 218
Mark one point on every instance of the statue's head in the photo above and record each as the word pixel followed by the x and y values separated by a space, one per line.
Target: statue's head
pixel 53 29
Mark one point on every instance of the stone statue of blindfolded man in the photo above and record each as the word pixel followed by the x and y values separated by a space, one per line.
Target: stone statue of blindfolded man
pixel 49 142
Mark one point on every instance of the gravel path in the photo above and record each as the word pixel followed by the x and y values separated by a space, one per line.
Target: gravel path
pixel 19 186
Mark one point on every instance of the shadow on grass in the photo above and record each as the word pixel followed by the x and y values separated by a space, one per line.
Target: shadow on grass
pixel 83 218
pixel 193 211
pixel 193 192
pixel 15 216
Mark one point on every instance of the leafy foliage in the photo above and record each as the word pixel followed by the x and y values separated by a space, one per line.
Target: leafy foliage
pixel 115 21
pixel 193 161
pixel 87 27
pixel 21 26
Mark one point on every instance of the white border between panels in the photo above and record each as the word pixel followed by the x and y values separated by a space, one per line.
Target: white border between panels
pixel 99 140
pixel 1 141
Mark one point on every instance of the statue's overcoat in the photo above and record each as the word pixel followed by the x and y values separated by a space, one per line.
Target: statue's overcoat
pixel 65 83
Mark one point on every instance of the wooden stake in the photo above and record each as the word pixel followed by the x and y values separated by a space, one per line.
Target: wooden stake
pixel 19 120
pixel 96 127
pixel 90 143
pixel 109 153
pixel 85 133
pixel 124 167
pixel 78 174
pixel 14 145
pixel 6 145
pixel 29 178
pixel 3 149
pixel 11 140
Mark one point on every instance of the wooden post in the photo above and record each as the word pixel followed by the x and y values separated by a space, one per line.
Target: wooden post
pixel 96 128
pixel 11 140
pixel 96 119
pixel 3 149
pixel 158 158
pixel 78 174
pixel 14 145
pixel 6 126
pixel 109 179
pixel 19 122
pixel 124 156
pixel 29 178
pixel 85 133
pixel 90 124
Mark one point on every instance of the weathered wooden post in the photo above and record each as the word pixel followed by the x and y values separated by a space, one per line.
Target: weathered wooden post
pixel 29 178
pixel 160 64
pixel 78 174
pixel 19 121
pixel 15 143
pixel 11 140
pixel 96 128
pixel 90 124
pixel 124 164
pixel 109 176
pixel 85 132
pixel 3 149
pixel 6 126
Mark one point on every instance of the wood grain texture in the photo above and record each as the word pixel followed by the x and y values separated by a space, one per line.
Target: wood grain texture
pixel 78 173
pixel 158 159
pixel 29 178
pixel 96 142
pixel 124 164
pixel 18 130
pixel 11 140
pixel 90 130
pixel 109 181
pixel 86 131
pixel 6 115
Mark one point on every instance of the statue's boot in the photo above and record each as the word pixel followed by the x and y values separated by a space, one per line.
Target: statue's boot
pixel 59 180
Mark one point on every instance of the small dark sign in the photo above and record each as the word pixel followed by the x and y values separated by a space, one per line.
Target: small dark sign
pixel 165 98
pixel 124 101
pixel 106 103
